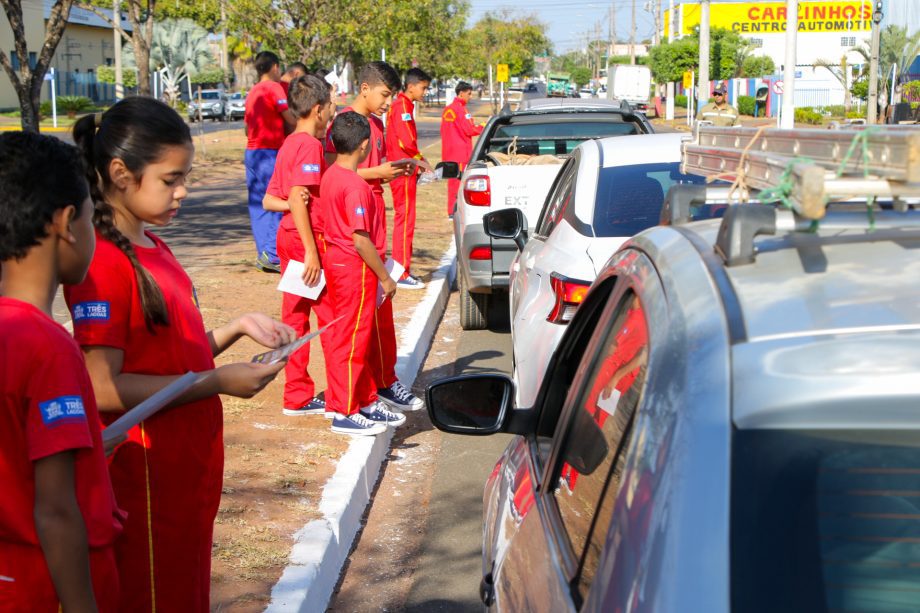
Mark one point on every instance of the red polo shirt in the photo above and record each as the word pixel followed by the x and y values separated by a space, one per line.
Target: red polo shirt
pixel 264 122
pixel 351 206
pixel 377 153
pixel 300 163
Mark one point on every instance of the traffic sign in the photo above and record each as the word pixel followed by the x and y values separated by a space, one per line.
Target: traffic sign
pixel 501 74
pixel 778 88
pixel 688 79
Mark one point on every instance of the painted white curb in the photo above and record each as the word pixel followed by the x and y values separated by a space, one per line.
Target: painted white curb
pixel 322 546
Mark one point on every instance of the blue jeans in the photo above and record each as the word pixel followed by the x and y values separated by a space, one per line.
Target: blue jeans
pixel 260 164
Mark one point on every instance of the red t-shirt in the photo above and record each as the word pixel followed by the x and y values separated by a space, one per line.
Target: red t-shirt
pixel 264 123
pixel 47 407
pixel 106 310
pixel 377 146
pixel 300 163
pixel 351 206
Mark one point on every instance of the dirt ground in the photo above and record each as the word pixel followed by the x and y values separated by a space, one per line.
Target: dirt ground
pixel 275 465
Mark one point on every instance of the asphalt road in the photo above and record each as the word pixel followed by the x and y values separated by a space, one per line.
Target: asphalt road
pixel 420 550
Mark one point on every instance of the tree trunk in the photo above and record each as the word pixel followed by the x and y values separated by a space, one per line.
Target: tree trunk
pixel 142 58
pixel 28 107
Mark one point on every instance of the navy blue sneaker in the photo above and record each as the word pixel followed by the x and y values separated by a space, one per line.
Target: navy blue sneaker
pixel 378 412
pixel 316 406
pixel 398 397
pixel 356 425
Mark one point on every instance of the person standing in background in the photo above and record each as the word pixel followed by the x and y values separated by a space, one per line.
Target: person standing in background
pixel 457 132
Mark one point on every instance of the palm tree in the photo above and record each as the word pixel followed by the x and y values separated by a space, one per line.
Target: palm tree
pixel 178 50
pixel 840 72
pixel 897 49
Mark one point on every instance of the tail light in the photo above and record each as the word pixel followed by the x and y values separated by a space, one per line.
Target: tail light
pixel 569 294
pixel 481 253
pixel 477 191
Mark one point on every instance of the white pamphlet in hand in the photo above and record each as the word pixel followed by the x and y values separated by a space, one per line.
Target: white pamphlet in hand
pixel 395 270
pixel 151 406
pixel 276 355
pixel 292 282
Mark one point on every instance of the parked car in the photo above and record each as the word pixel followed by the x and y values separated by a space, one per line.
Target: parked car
pixel 731 422
pixel 235 107
pixel 606 192
pixel 586 92
pixel 212 105
pixel 513 164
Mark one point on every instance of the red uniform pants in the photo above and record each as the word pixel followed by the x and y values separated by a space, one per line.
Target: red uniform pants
pixel 25 583
pixel 299 387
pixel 353 290
pixel 382 356
pixel 168 478
pixel 403 219
pixel 453 186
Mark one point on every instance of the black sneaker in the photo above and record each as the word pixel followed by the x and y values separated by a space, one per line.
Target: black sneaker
pixel 264 263
pixel 317 406
pixel 356 425
pixel 378 412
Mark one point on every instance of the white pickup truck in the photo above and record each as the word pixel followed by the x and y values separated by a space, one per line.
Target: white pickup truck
pixel 514 164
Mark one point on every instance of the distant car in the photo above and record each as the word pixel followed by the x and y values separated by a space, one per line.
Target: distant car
pixel 608 191
pixel 586 92
pixel 731 423
pixel 212 105
pixel 235 106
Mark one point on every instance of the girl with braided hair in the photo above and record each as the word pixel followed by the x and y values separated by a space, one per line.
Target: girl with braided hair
pixel 137 319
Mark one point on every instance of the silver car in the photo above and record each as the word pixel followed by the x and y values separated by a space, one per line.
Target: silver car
pixel 730 422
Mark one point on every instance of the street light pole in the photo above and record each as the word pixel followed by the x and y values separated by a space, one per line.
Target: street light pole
pixel 669 106
pixel 873 62
pixel 703 83
pixel 787 114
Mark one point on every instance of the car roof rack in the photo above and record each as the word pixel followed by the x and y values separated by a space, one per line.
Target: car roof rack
pixel 804 170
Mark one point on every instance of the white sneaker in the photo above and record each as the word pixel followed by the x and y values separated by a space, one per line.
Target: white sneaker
pixel 356 425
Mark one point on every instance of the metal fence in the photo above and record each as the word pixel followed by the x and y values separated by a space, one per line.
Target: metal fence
pixel 817 97
pixel 84 84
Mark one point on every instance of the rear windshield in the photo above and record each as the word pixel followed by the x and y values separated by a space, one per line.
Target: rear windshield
pixel 629 198
pixel 556 138
pixel 825 521
pixel 210 95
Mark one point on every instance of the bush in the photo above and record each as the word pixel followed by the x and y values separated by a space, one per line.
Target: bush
pixel 746 105
pixel 680 101
pixel 808 115
pixel 856 115
pixel 74 104
pixel 44 109
pixel 106 74
pixel 757 66
pixel 834 110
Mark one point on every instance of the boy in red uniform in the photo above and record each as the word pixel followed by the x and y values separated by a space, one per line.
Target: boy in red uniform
pixel 402 142
pixel 356 237
pixel 267 116
pixel 378 83
pixel 58 518
pixel 457 132
pixel 296 179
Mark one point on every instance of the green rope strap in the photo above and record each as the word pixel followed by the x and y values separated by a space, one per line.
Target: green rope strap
pixel 861 141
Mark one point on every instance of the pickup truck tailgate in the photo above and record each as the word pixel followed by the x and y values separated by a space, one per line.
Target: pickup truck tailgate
pixel 522 187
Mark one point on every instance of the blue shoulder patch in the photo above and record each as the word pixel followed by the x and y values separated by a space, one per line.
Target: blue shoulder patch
pixel 62 409
pixel 310 168
pixel 407 117
pixel 91 311
pixel 359 211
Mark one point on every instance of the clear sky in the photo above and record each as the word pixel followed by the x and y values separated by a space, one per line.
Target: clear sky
pixel 569 21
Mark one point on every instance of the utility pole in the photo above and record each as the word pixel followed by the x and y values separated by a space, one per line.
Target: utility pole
pixel 224 55
pixel 119 77
pixel 873 62
pixel 669 92
pixel 597 49
pixel 613 30
pixel 632 36
pixel 787 115
pixel 703 82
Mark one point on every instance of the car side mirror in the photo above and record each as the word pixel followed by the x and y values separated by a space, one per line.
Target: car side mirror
pixel 506 224
pixel 449 170
pixel 470 404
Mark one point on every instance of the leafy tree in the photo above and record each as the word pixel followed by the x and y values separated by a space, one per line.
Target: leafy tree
pixel 28 80
pixel 669 61
pixel 500 38
pixel 757 66
pixel 140 14
pixel 179 48
pixel 205 13
pixel 581 75
pixel 727 53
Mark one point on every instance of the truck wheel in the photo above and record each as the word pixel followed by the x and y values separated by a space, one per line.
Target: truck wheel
pixel 473 309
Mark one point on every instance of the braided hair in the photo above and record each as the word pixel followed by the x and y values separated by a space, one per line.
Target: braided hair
pixel 135 131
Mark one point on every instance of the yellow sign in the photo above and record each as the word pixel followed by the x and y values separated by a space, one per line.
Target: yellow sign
pixel 770 17
pixel 688 79
pixel 501 75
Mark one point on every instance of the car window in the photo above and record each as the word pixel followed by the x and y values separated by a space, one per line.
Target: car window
pixel 833 516
pixel 210 95
pixel 559 200
pixel 591 457
pixel 629 198
pixel 556 138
